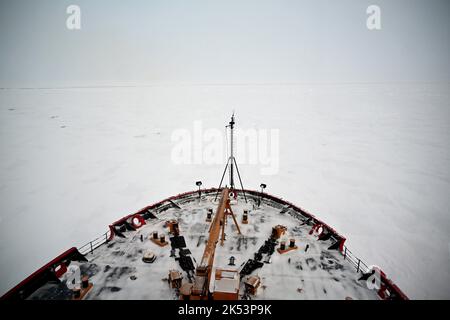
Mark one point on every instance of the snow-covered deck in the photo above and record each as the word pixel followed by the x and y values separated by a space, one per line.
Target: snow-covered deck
pixel 117 271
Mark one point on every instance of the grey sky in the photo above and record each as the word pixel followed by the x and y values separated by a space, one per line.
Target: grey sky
pixel 212 42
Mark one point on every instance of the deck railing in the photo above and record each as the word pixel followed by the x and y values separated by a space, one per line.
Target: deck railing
pixel 94 244
pixel 355 261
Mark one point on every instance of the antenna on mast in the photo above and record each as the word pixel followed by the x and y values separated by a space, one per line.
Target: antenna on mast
pixel 231 126
pixel 231 162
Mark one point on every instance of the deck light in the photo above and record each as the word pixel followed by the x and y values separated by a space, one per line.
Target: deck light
pixel 199 184
pixel 263 186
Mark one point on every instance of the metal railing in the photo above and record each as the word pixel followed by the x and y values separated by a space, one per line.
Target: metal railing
pixel 94 244
pixel 355 261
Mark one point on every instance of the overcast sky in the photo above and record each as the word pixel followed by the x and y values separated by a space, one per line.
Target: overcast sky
pixel 226 42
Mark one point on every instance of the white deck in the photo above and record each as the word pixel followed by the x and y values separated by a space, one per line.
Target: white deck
pixel 316 274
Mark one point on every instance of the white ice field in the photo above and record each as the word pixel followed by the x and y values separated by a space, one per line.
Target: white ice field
pixel 370 160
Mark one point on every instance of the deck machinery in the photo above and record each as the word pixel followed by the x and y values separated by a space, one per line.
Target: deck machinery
pixel 226 282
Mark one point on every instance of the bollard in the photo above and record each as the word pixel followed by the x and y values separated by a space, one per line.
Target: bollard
pixel 85 282
pixel 292 243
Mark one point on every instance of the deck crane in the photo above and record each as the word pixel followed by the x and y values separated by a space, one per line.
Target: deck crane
pixel 200 289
